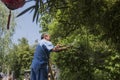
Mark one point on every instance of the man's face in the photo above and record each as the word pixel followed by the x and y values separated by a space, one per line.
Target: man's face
pixel 47 37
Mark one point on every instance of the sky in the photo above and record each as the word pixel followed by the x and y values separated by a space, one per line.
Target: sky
pixel 25 27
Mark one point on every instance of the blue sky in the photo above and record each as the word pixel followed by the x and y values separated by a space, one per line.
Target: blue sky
pixel 25 27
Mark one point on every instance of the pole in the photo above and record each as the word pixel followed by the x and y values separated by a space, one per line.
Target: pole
pixel 9 17
pixel 50 70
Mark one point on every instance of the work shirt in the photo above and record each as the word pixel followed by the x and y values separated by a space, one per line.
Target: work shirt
pixel 41 55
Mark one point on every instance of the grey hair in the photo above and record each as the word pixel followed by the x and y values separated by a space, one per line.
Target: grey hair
pixel 43 34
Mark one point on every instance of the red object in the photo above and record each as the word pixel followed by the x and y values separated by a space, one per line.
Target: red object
pixel 13 4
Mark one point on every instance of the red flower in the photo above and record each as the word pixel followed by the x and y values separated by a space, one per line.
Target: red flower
pixel 13 4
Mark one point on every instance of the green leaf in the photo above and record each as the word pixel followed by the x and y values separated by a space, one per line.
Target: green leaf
pixel 36 11
pixel 26 10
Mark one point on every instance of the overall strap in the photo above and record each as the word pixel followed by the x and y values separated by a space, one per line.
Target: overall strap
pixel 45 52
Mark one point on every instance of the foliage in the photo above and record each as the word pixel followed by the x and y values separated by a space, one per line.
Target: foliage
pixel 20 57
pixel 92 27
pixel 5 36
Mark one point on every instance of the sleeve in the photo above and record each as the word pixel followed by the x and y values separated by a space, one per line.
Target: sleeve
pixel 49 45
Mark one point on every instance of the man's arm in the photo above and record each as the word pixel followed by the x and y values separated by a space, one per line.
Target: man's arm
pixel 58 48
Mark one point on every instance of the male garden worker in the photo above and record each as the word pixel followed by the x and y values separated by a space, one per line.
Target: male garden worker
pixel 41 57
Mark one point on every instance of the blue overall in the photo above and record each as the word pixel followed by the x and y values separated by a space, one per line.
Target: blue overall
pixel 40 60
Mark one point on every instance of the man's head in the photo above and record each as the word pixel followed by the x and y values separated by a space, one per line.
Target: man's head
pixel 45 36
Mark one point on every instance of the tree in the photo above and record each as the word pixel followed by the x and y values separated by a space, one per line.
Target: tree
pixel 5 36
pixel 83 24
pixel 21 56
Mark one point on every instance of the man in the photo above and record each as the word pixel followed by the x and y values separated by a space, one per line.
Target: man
pixel 41 57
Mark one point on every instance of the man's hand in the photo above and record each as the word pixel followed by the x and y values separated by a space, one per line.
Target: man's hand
pixel 59 47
